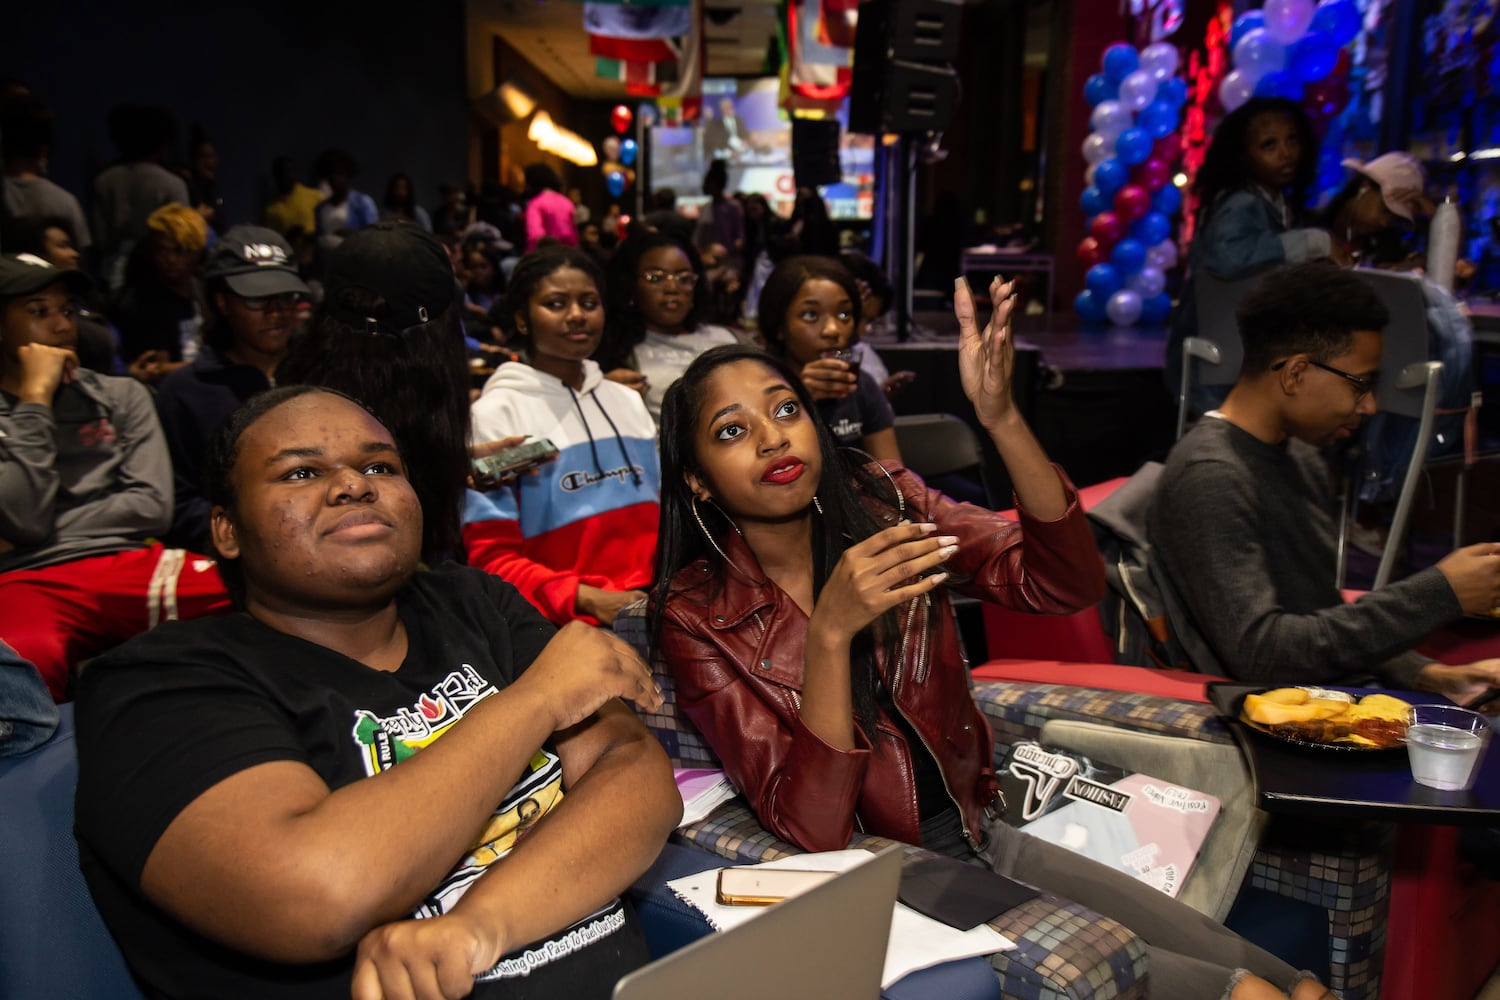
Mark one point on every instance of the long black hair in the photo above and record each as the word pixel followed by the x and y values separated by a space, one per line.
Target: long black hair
pixel 624 328
pixel 1223 170
pixel 416 382
pixel 528 274
pixel 856 496
pixel 786 281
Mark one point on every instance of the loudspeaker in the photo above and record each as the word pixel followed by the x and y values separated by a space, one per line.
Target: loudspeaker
pixel 903 80
pixel 815 152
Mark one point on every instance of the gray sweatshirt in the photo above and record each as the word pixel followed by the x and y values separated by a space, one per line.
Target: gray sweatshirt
pixel 88 476
pixel 1245 531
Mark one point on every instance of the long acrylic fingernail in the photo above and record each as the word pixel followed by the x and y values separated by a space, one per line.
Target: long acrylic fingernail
pixel 937 578
pixel 960 284
pixel 927 528
pixel 947 550
pixel 950 540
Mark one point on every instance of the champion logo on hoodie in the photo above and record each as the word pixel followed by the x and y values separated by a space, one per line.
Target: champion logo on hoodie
pixel 572 481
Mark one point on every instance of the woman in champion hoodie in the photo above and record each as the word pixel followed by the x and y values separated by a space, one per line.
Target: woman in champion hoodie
pixel 578 536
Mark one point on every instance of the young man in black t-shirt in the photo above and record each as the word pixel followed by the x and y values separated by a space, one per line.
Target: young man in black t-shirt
pixel 267 800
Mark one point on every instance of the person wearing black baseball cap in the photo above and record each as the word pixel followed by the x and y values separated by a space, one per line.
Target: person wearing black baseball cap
pixel 255 297
pixel 389 334
pixel 85 479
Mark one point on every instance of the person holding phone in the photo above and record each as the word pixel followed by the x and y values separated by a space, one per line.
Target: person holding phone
pixel 799 604
pixel 577 537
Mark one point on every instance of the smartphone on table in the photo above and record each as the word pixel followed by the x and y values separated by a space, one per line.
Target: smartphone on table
pixel 754 885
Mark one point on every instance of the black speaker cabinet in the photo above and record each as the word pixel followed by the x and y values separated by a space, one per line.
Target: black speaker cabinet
pixel 903 77
pixel 815 152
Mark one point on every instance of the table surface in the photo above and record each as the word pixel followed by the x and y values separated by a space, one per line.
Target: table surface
pixel 1354 785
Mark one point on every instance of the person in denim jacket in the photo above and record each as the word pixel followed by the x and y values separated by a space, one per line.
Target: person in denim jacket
pixel 1252 189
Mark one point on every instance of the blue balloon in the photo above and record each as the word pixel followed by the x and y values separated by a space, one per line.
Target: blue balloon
pixel 1129 256
pixel 1173 90
pixel 1151 229
pixel 1093 201
pixel 1156 309
pixel 628 149
pixel 1099 89
pixel 1279 83
pixel 1104 280
pixel 1338 19
pixel 1312 57
pixel 1110 175
pixel 1120 60
pixel 1132 147
pixel 614 181
pixel 1159 118
pixel 1090 308
pixel 1167 201
pixel 1243 25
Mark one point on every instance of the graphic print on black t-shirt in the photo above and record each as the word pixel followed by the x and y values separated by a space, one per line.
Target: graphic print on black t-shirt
pixel 385 741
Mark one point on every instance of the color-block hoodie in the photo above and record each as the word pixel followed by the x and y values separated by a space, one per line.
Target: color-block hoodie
pixel 590 517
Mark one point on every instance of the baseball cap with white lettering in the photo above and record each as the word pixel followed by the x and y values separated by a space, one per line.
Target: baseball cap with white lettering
pixel 254 263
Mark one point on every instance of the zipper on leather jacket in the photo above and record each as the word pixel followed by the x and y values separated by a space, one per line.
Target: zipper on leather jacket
pixel 919 676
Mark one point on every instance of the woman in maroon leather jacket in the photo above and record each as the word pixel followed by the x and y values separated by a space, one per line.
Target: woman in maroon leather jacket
pixel 798 603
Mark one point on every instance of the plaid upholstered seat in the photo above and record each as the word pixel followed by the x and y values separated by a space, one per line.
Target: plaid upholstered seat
pixel 1063 950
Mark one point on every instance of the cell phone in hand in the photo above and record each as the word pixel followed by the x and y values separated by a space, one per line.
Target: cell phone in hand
pixel 755 885
pixel 511 462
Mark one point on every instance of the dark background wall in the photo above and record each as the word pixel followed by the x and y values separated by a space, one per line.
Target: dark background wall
pixel 266 78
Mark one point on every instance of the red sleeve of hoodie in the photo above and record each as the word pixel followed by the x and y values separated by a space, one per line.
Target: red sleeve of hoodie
pixel 495 547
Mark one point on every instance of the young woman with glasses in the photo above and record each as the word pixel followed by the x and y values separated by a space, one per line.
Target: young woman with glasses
pixel 656 295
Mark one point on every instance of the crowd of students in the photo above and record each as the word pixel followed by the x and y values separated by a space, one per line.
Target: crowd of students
pixel 423 771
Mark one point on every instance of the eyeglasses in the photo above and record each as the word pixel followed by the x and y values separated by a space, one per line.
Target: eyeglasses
pixel 1362 386
pixel 681 279
pixel 284 303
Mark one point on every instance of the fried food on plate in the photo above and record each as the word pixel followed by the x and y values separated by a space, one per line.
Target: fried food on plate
pixel 1313 715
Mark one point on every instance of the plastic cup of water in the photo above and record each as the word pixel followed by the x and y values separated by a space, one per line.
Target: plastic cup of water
pixel 1445 744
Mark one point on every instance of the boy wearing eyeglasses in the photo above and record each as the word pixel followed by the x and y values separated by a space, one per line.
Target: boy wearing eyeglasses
pixel 256 300
pixel 1244 522
pixel 85 481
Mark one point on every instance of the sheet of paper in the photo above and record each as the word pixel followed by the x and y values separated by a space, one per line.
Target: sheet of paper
pixel 916 942
pixel 703 790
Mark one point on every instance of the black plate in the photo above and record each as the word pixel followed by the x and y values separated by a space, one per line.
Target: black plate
pixel 1358 693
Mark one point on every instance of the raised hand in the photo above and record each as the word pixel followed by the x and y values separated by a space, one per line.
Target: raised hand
pixel 582 668
pixel 987 357
pixel 877 574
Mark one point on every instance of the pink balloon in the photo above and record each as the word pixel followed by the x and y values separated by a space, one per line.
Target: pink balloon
pixel 1167 148
pixel 1090 252
pixel 1152 175
pixel 1107 229
pixel 1132 202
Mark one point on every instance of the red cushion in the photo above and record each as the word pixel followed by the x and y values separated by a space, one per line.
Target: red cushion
pixel 1015 634
pixel 1179 684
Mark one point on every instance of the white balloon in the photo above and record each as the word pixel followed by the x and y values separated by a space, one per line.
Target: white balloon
pixel 1147 282
pixel 611 146
pixel 1163 256
pixel 1236 89
pixel 1137 90
pixel 1288 20
pixel 1160 60
pixel 1124 307
pixel 1093 148
pixel 1110 118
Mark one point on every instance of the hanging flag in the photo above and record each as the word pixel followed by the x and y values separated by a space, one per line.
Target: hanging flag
pixel 837 20
pixel 632 74
pixel 622 21
pixel 642 50
pixel 631 3
pixel 814 52
pixel 819 81
pixel 684 97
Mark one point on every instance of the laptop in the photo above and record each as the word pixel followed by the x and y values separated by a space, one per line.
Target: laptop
pixel 827 942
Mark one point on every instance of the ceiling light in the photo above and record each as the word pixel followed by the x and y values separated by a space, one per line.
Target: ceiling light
pixel 560 142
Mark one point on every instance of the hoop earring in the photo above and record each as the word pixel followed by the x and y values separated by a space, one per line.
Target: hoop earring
pixel 710 535
pixel 817 505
